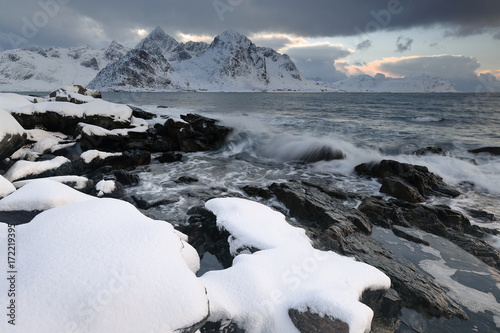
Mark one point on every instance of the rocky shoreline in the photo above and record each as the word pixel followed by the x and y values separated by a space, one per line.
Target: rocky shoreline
pixel 97 153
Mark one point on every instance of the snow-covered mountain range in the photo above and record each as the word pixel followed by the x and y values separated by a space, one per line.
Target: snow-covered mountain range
pixel 44 69
pixel 231 62
pixel 381 83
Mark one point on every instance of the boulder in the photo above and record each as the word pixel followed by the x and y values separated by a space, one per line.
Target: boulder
pixel 109 189
pixel 170 157
pixel 430 151
pixel 489 150
pixel 194 133
pixel 399 188
pixel 140 113
pixel 12 135
pixel 427 183
pixel 126 178
pixel 308 321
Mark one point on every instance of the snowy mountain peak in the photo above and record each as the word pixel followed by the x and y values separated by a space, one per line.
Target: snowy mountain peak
pixel 115 51
pixel 230 39
pixel 158 39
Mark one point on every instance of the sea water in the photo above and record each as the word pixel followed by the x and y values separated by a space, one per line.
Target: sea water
pixel 272 129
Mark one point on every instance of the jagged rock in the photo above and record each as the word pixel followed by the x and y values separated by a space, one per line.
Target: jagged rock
pixel 205 236
pixel 399 188
pixel 127 159
pixel 427 183
pixel 257 192
pixel 317 208
pixel 331 226
pixel 307 322
pixel 126 178
pixel 482 215
pixel 110 142
pixel 186 180
pixel 430 151
pixel 71 152
pixel 170 157
pixel 144 204
pixel 439 220
pixel 324 153
pixel 489 150
pixel 140 113
pixel 196 133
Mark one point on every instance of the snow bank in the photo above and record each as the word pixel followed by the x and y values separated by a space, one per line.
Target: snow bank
pixel 288 273
pixel 42 194
pixel 6 187
pixel 101 266
pixel 94 107
pixel 10 101
pixel 9 125
pixel 23 169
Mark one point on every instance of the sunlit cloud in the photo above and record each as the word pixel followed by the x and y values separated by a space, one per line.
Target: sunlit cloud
pixel 182 37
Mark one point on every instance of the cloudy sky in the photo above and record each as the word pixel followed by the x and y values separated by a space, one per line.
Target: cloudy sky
pixel 328 39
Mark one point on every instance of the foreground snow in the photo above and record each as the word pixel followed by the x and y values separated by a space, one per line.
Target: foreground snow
pixel 287 273
pixel 101 266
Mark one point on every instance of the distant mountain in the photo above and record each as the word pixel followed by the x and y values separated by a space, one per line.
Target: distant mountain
pixel 381 83
pixel 43 69
pixel 230 63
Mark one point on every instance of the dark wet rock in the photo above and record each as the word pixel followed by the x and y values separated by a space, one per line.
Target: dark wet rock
pixel 127 159
pixel 206 236
pixel 107 142
pixel 316 207
pixel 195 327
pixel 140 113
pixel 386 305
pixel 307 322
pixel 170 157
pixel 186 180
pixel 225 326
pixel 427 183
pixel 333 226
pixel 144 204
pixel 401 189
pixel 259 192
pixel 71 152
pixel 196 133
pixel 439 220
pixel 489 150
pixel 18 217
pixel 430 151
pixel 324 153
pixel 483 216
pixel 10 143
pixel 126 178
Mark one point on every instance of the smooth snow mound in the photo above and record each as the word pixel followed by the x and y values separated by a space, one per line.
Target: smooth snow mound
pixel 101 266
pixel 287 273
pixel 42 194
pixel 6 187
pixel 9 101
pixel 9 125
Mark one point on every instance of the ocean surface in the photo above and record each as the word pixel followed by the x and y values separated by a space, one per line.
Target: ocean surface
pixel 272 129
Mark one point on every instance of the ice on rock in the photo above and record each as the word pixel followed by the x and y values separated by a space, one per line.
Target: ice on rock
pixel 42 194
pixel 101 266
pixel 287 273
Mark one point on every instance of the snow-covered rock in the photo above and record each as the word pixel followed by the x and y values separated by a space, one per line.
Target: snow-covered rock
pixel 40 195
pixel 77 182
pixel 102 266
pixel 46 69
pixel 12 135
pixel 285 273
pixel 27 169
pixel 381 83
pixel 6 187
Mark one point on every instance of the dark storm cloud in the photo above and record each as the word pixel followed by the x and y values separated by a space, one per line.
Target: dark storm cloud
pixel 403 44
pixel 302 18
pixel 364 44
